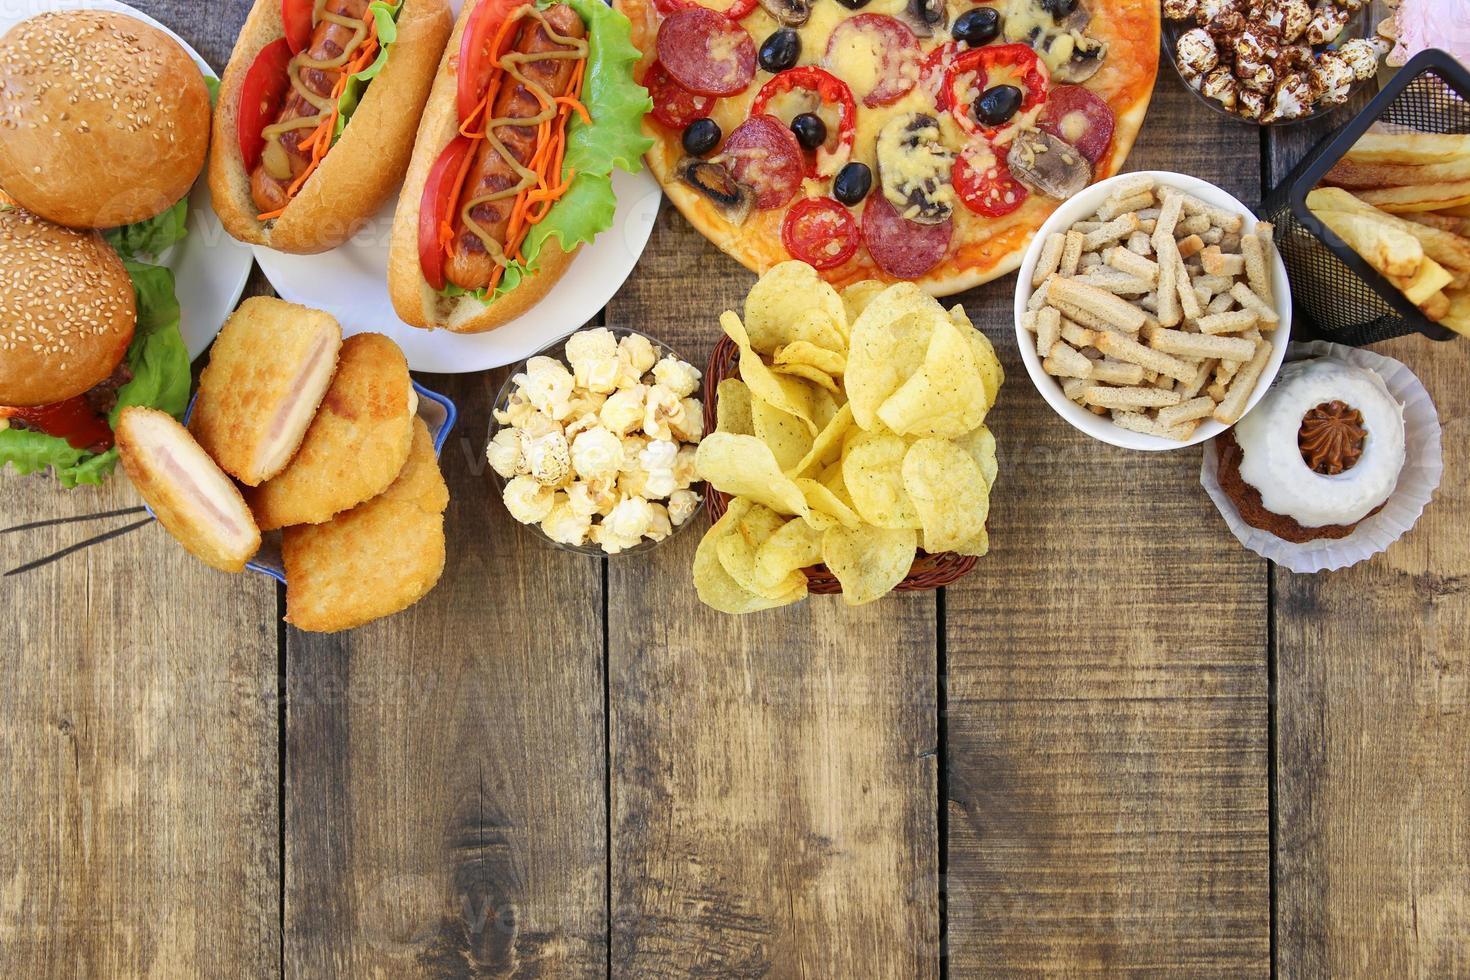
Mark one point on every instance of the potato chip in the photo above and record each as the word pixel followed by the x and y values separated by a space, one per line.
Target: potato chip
pixel 737 552
pixel 828 444
pixel 869 562
pixel 715 586
pixel 991 372
pixel 889 342
pixel 826 508
pixel 946 397
pixel 829 361
pixel 857 297
pixel 948 491
pixel 790 395
pixel 779 307
pixel 732 408
pixel 819 329
pixel 808 373
pixel 981 445
pixel 785 553
pixel 872 470
pixel 787 436
pixel 743 466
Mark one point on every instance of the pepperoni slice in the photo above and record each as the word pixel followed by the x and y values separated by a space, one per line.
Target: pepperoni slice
pixel 1075 115
pixel 706 52
pixel 764 156
pixel 673 104
pixel 902 248
pixel 875 46
pixel 820 232
pixel 984 182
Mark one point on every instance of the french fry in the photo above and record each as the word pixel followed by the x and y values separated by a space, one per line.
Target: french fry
pixel 1389 250
pixel 1360 175
pixel 1413 149
pixel 1457 318
pixel 1445 247
pixel 1419 197
pixel 1428 280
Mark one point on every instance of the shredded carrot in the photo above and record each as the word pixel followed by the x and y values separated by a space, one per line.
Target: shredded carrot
pixel 319 141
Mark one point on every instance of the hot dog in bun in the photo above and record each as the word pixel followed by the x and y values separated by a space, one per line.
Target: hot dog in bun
pixel 317 113
pixel 534 106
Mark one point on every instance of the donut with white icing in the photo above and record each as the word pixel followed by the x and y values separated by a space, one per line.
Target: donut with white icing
pixel 1271 439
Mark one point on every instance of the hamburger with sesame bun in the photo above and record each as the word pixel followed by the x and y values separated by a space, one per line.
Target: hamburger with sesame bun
pixel 82 335
pixel 104 120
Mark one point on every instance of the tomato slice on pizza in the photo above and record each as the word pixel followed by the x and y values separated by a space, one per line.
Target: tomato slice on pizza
pixel 897 139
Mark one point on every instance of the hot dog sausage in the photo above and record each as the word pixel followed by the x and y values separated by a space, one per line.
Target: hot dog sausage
pixel 470 264
pixel 329 41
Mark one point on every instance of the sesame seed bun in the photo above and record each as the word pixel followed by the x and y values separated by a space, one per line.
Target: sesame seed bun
pixel 67 310
pixel 104 120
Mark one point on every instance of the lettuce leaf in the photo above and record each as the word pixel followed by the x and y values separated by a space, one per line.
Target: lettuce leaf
pixel 617 105
pixel 151 238
pixel 160 365
pixel 386 14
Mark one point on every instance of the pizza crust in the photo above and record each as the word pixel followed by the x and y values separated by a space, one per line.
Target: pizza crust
pixel 983 249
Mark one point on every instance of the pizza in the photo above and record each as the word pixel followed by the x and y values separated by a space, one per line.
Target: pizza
pixel 890 139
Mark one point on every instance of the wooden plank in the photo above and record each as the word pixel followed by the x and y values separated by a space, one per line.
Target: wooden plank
pixel 773 776
pixel 1373 689
pixel 445 807
pixel 137 751
pixel 1107 715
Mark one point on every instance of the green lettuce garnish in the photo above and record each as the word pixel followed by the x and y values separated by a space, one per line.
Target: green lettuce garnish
pixel 160 366
pixel 617 105
pixel 212 83
pixel 386 14
pixel 151 238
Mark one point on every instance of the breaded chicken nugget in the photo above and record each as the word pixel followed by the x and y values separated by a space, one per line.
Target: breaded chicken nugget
pixel 189 494
pixel 357 444
pixel 267 373
pixel 376 559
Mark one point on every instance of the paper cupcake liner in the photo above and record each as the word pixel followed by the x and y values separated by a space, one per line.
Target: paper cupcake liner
pixel 1423 466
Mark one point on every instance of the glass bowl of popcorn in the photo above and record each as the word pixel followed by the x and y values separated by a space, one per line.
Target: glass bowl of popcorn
pixel 592 442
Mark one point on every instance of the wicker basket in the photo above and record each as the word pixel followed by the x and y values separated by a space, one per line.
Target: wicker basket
pixel 928 572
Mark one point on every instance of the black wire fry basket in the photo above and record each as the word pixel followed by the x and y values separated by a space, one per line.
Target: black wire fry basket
pixel 1338 296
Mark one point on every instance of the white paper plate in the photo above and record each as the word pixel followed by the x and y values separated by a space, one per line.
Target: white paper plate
pixel 351 283
pixel 209 267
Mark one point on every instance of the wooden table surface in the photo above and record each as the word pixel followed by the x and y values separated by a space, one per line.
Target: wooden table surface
pixel 1123 745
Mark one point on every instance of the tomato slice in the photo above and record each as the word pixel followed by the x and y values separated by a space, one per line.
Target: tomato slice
pixel 435 205
pixel 261 97
pixel 297 15
pixel 73 420
pixel 984 182
pixel 820 232
pixel 933 70
pixel 673 104
pixel 977 67
pixel 476 60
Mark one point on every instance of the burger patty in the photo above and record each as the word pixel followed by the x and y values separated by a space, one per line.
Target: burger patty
pixel 103 398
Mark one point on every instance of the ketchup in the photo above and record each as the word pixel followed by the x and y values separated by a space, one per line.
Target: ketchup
pixel 73 420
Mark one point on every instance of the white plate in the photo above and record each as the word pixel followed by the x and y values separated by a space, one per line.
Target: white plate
pixel 209 267
pixel 351 283
pixel 1078 208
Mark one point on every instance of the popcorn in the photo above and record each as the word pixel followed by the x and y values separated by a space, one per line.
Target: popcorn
pixel 565 524
pixel 504 454
pixel 592 452
pixel 680 378
pixel 547 385
pixel 639 352
pixel 1290 18
pixel 1332 78
pixel 1326 24
pixel 663 410
pixel 682 505
pixel 622 413
pixel 1293 98
pixel 597 453
pixel 1197 51
pixel 1361 56
pixel 528 501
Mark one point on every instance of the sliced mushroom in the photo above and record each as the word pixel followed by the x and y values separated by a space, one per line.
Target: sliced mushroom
pixel 732 198
pixel 1083 53
pixel 925 17
pixel 914 168
pixel 792 13
pixel 1048 165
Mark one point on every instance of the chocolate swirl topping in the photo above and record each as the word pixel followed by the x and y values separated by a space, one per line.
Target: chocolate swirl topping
pixel 1331 438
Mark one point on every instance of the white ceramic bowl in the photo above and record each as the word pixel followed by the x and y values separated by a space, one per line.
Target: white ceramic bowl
pixel 1078 208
